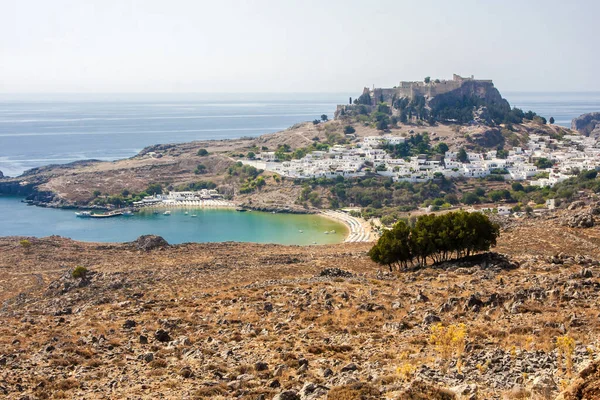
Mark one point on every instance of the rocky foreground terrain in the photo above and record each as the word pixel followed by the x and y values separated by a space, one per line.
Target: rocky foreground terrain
pixel 250 321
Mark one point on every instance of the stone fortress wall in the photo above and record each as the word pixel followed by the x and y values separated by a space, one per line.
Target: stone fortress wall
pixel 428 90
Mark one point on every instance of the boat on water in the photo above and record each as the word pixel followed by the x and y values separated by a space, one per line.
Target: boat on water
pixel 83 214
pixel 186 213
pixel 128 213
pixel 193 215
pixel 107 215
pixel 301 231
pixel 167 212
pixel 240 209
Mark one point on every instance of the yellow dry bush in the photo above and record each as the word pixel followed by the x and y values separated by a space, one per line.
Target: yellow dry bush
pixel 449 342
pixel 406 372
pixel 565 347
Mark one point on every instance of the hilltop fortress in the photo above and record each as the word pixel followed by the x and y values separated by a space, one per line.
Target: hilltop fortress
pixel 427 89
pixel 433 92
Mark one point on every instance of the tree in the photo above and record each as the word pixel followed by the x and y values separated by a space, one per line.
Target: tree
pixel 517 187
pixel 200 169
pixel 442 148
pixel 154 188
pixel 470 198
pixel 382 125
pixel 324 117
pixel 316 121
pixel 551 120
pixel 125 193
pixel 462 155
pixel 439 238
pixel 543 163
pixel 97 193
pixel 202 152
pixel 350 100
pixel 427 79
pixel 251 155
pixel 348 130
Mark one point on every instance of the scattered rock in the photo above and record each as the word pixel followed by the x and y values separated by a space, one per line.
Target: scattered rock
pixel 150 242
pixel 544 386
pixel 349 367
pixel 336 272
pixel 261 366
pixel 128 324
pixel 162 336
pixel 310 391
pixel 431 318
pixel 371 307
pixel 287 395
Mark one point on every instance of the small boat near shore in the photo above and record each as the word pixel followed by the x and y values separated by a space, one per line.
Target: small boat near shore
pixel 168 212
pixel 240 209
pixel 107 215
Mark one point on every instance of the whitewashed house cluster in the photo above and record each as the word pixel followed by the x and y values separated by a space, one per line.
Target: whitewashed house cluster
pixel 572 153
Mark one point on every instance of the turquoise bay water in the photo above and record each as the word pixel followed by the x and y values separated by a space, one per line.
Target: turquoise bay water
pixel 16 218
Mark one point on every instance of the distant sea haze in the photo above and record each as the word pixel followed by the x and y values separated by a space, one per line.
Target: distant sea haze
pixel 40 131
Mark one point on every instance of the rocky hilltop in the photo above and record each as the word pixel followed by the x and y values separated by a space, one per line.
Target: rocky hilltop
pixel 248 321
pixel 434 96
pixel 587 124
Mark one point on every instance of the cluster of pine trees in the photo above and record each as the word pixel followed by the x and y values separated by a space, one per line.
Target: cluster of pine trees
pixel 438 237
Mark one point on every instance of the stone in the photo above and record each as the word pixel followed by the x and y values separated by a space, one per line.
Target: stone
pixel 162 336
pixel 310 391
pixel 143 339
pixel 431 318
pixel 370 307
pixel 336 273
pixel 150 242
pixel 327 372
pixel 466 391
pixel 349 368
pixel 186 372
pixel 274 384
pixel 148 357
pixel 268 307
pixel 287 395
pixel 261 366
pixel 129 324
pixel 544 385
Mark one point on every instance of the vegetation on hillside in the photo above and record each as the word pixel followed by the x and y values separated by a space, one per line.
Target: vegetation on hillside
pixel 437 237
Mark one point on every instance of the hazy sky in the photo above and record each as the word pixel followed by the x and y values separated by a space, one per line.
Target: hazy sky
pixel 294 46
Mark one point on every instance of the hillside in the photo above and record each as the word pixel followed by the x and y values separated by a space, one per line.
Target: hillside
pixel 83 184
pixel 256 321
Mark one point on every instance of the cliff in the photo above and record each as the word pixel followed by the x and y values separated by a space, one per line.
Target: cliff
pixel 587 124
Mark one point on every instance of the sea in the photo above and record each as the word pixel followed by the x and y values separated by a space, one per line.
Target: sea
pixel 37 130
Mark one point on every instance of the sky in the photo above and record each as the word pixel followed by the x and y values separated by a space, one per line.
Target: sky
pixel 198 46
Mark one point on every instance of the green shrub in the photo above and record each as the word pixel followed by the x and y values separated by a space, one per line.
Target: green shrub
pixel 26 244
pixel 79 272
pixel 202 152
